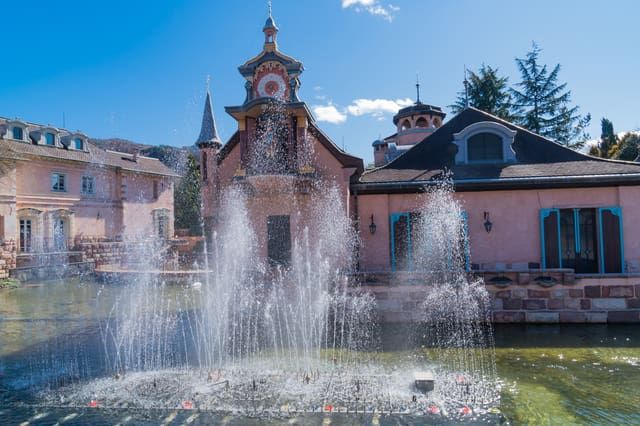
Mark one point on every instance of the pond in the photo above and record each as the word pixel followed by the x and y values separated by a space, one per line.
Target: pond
pixel 549 374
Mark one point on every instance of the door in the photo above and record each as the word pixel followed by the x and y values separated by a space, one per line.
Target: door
pixel 59 234
pixel 25 236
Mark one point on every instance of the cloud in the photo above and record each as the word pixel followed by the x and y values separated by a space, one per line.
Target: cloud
pixel 376 108
pixel 373 7
pixel 329 113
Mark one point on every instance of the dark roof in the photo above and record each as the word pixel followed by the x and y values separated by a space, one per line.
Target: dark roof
pixel 418 108
pixel 208 130
pixel 93 155
pixel 270 23
pixel 538 159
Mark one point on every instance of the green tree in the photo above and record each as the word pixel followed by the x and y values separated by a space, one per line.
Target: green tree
pixel 543 106
pixel 627 147
pixel 187 199
pixel 608 140
pixel 486 91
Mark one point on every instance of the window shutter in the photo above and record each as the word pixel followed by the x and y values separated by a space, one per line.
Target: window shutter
pixel 465 241
pixel 549 238
pixel 400 240
pixel 611 240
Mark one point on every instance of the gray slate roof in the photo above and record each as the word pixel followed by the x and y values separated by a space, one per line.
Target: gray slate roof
pixel 538 159
pixel 93 155
pixel 208 130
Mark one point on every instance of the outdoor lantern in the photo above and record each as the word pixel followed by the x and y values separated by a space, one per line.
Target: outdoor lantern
pixel 372 226
pixel 487 223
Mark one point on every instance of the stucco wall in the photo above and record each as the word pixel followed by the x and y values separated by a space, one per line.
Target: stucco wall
pixel 514 240
pixel 139 203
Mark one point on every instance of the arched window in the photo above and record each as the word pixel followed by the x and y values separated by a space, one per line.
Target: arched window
pixel 205 173
pixel 422 122
pixel 78 143
pixel 436 121
pixel 484 147
pixel 406 125
pixel 18 133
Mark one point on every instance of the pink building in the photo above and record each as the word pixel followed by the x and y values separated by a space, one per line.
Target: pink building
pixel 538 215
pixel 56 188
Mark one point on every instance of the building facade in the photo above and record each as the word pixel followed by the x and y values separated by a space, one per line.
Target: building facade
pixel 559 226
pixel 58 188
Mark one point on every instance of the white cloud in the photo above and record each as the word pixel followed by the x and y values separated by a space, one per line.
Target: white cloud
pixel 318 88
pixel 377 107
pixel 373 7
pixel 329 113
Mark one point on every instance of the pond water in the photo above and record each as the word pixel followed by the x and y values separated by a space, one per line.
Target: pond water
pixel 549 374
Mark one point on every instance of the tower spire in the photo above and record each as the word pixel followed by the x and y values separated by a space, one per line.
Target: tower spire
pixel 417 88
pixel 270 31
pixel 208 131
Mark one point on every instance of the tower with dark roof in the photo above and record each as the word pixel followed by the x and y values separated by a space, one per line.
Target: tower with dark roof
pixel 209 144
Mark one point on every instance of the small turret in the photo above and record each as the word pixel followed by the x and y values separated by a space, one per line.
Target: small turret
pixel 270 31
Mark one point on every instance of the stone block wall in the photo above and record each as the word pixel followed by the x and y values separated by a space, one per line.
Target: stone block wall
pixel 531 296
pixel 102 251
pixel 7 257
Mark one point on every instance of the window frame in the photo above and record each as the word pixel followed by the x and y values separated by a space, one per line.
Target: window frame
pixel 93 185
pixel 46 139
pixel 78 140
pixel 600 237
pixel 22 133
pixel 470 142
pixel 64 182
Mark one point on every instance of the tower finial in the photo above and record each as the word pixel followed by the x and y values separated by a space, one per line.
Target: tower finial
pixel 417 88
pixel 466 88
pixel 208 82
pixel 269 4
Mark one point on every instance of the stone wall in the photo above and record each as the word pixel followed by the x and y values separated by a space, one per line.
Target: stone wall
pixel 102 251
pixel 7 257
pixel 531 296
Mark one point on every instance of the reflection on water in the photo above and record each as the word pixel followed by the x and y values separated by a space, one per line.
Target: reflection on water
pixel 551 374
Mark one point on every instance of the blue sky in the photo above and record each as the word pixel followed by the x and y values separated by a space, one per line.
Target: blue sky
pixel 137 69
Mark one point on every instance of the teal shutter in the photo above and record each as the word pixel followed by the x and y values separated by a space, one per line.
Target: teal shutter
pixel 400 229
pixel 465 241
pixel 550 238
pixel 611 240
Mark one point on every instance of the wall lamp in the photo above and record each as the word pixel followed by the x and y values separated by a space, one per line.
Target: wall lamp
pixel 372 226
pixel 487 222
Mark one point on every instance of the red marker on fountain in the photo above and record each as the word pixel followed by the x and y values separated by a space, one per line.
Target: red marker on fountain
pixel 187 405
pixel 93 403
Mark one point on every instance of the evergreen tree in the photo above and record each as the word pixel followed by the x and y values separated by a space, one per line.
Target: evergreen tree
pixel 486 91
pixel 543 106
pixel 187 199
pixel 627 148
pixel 608 139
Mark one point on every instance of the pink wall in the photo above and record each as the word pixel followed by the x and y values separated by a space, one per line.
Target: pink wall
pixel 514 239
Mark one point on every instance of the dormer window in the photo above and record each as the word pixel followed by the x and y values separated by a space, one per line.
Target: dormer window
pixel 484 147
pixel 50 139
pixel 78 144
pixel 485 142
pixel 18 133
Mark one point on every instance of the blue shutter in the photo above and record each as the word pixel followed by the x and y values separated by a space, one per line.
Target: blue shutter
pixel 550 250
pixel 611 240
pixel 465 241
pixel 393 219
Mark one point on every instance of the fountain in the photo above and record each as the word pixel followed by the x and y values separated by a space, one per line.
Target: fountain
pixel 260 339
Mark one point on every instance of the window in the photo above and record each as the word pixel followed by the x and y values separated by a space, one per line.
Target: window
pixel 161 223
pixel 405 235
pixel 204 166
pixel 18 133
pixel 484 147
pixel 25 236
pixel 587 240
pixel 406 125
pixel 422 122
pixel 58 182
pixel 279 240
pixel 78 143
pixel 50 138
pixel 155 190
pixel 88 185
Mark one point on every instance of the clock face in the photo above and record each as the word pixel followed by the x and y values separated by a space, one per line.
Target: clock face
pixel 272 85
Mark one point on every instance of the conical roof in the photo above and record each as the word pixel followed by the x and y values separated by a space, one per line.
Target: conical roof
pixel 208 131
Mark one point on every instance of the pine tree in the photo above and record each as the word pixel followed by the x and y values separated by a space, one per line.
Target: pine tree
pixel 187 199
pixel 627 148
pixel 543 106
pixel 486 91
